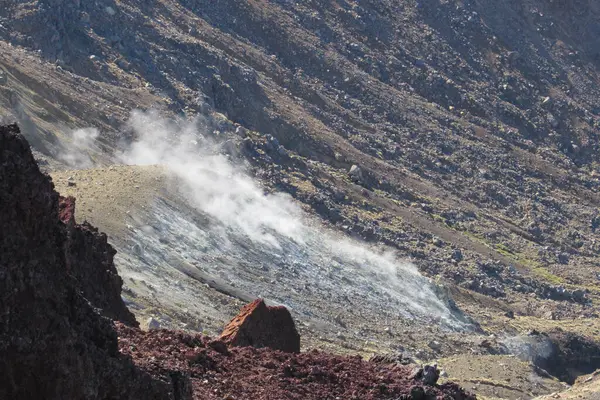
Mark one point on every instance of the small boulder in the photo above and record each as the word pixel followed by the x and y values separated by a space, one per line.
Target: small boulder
pixel 258 325
pixel 429 374
pixel 435 345
pixel 152 324
pixel 356 173
pixel 457 255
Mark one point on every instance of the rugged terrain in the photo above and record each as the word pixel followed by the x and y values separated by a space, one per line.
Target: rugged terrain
pixel 60 339
pixel 54 274
pixel 463 134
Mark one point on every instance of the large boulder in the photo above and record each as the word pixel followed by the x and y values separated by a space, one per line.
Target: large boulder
pixel 259 325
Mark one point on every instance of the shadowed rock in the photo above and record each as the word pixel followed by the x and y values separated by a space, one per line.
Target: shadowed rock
pixel 258 325
pixel 89 258
pixel 54 344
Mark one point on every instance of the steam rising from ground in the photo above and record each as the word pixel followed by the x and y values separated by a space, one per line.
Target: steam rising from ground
pixel 529 348
pixel 275 224
pixel 211 181
pixel 76 153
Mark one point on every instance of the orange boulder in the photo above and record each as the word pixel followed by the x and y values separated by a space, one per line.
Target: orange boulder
pixel 259 325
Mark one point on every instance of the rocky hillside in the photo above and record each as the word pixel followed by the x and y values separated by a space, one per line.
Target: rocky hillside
pixel 475 138
pixel 462 134
pixel 58 281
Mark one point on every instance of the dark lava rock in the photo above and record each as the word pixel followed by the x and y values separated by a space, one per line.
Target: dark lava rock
pixel 429 374
pixel 53 343
pixel 89 258
pixel 258 325
pixel 572 356
pixel 417 393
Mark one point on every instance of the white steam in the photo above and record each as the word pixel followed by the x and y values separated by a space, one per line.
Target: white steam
pixel 212 183
pixel 529 348
pixel 81 143
pixel 279 230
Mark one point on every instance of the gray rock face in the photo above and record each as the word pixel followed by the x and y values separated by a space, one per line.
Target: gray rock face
pixel 356 173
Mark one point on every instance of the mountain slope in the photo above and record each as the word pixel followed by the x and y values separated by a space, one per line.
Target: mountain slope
pixel 472 126
pixel 491 126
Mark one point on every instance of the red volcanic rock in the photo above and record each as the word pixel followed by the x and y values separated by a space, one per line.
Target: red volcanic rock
pixel 266 374
pixel 66 210
pixel 258 325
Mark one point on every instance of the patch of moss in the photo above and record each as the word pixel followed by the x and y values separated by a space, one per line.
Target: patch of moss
pixel 535 267
pixel 303 185
pixel 438 217
pixel 504 250
pixel 548 276
pixel 476 237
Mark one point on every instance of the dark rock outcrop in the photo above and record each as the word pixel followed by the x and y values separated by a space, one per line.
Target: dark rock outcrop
pixel 89 259
pixel 53 342
pixel 562 354
pixel 573 355
pixel 258 325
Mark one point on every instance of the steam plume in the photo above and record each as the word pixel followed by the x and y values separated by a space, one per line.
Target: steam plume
pixel 276 226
